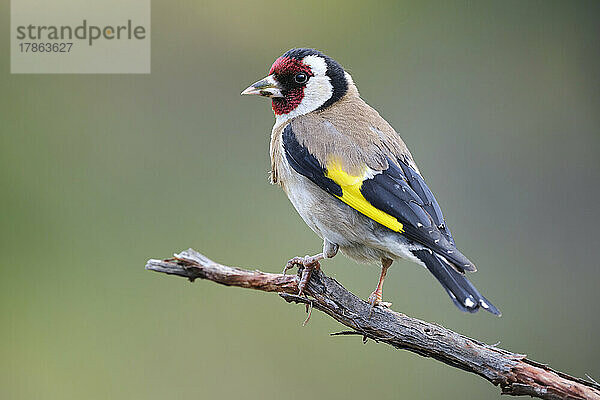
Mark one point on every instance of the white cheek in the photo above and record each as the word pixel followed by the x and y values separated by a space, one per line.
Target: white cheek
pixel 317 91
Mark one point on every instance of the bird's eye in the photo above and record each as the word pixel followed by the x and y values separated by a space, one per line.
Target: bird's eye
pixel 301 78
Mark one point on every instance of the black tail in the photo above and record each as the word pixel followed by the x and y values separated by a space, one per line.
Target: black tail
pixel 461 291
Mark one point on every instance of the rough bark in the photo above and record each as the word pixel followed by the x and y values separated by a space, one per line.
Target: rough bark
pixel 514 373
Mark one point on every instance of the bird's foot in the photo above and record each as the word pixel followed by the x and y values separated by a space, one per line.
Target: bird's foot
pixel 309 263
pixel 375 300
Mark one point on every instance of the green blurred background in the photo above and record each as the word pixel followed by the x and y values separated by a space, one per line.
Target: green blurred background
pixel 498 101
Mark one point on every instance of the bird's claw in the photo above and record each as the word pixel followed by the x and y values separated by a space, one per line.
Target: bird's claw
pixel 375 300
pixel 309 263
pixel 293 262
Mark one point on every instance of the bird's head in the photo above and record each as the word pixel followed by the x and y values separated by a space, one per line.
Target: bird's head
pixel 302 81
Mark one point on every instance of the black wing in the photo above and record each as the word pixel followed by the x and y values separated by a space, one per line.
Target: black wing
pixel 399 191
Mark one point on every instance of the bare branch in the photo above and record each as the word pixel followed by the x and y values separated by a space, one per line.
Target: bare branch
pixel 514 373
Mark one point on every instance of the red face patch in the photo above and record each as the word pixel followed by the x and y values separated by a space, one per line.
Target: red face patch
pixel 285 69
pixel 286 65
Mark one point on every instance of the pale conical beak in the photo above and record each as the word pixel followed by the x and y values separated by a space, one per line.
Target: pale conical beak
pixel 267 87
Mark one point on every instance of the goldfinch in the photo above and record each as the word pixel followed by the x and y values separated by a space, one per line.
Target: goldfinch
pixel 353 180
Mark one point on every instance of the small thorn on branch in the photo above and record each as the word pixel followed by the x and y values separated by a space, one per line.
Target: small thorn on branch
pixel 346 333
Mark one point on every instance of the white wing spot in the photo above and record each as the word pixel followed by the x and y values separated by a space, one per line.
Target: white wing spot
pixel 370 173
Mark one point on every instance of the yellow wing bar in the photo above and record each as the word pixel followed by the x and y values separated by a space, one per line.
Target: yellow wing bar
pixel 352 196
